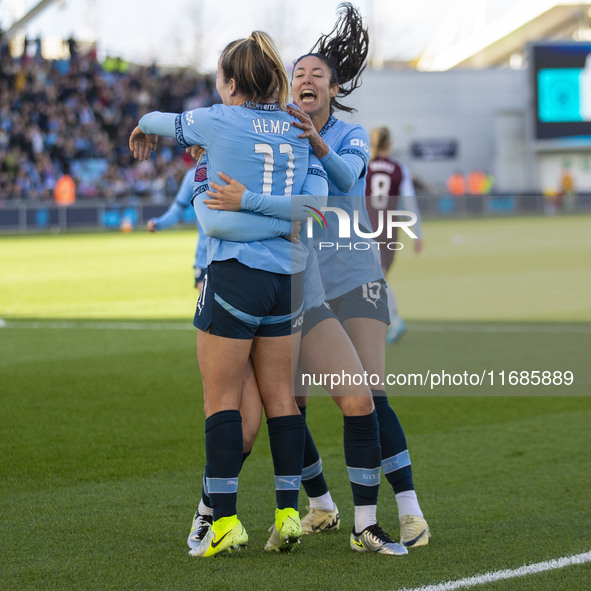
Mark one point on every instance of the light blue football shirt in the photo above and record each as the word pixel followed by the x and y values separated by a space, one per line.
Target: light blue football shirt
pixel 346 263
pixel 257 145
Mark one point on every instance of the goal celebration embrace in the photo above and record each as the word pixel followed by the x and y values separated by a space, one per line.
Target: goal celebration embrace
pixel 274 306
pixel 295 295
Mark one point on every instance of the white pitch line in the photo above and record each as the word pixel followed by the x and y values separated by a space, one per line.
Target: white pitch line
pixel 500 328
pixel 501 575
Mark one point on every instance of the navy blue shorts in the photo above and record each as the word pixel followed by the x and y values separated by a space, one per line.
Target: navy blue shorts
pixel 369 300
pixel 315 316
pixel 199 275
pixel 239 302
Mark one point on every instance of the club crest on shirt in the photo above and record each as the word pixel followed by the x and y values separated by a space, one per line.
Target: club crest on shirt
pixel 201 173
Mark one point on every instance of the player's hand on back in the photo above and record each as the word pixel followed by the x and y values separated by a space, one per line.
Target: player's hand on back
pixel 227 197
pixel 196 152
pixel 294 235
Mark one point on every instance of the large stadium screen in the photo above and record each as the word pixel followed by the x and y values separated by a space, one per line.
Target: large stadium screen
pixel 562 88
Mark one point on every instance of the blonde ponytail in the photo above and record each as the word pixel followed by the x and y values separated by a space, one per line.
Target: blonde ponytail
pixel 257 68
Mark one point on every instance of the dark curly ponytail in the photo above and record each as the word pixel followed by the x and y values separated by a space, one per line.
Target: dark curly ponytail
pixel 344 50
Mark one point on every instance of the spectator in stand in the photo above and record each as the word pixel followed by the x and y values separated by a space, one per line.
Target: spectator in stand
pixel 53 113
pixel 456 184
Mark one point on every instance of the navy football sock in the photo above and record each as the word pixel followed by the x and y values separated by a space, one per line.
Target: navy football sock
pixel 286 438
pixel 223 450
pixel 395 458
pixel 362 456
pixel 204 496
pixel 313 479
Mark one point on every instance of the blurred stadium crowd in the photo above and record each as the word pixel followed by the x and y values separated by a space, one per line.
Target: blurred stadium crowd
pixel 73 117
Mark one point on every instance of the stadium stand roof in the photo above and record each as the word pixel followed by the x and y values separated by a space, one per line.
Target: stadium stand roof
pixel 502 43
pixel 28 16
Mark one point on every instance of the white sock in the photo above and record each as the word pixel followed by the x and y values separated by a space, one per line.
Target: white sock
pixel 323 502
pixel 203 509
pixel 365 515
pixel 392 304
pixel 408 504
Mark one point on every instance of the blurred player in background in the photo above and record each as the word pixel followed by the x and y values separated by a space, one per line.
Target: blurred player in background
pixel 251 294
pixel 389 187
pixel 173 215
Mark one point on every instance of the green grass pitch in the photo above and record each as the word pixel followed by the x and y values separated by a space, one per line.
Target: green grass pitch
pixel 101 427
